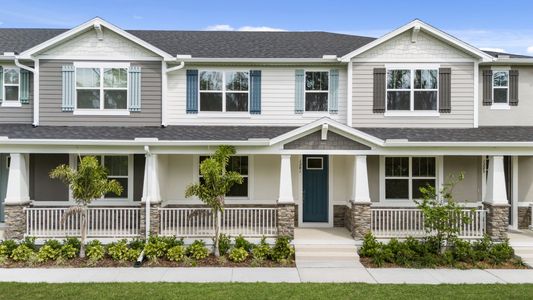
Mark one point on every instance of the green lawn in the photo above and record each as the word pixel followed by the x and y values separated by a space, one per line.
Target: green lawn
pixel 240 291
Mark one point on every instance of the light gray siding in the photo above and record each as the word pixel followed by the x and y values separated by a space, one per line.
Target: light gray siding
pixel 50 99
pixel 19 115
pixel 462 100
pixel 42 187
pixel 516 115
pixel 468 190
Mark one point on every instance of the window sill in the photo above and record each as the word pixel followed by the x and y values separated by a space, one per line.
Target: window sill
pixel 412 114
pixel 503 106
pixel 11 104
pixel 224 115
pixel 101 112
pixel 315 114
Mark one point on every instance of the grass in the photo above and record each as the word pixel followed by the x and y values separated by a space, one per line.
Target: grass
pixel 258 291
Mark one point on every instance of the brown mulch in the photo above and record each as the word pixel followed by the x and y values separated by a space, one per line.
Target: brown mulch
pixel 210 261
pixel 511 264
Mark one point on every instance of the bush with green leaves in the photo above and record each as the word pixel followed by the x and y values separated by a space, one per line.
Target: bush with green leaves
pixel 136 244
pixel 176 253
pixel 8 246
pixel 241 242
pixel 197 250
pixel 155 248
pixel 51 250
pixel 238 254
pixel 262 250
pixel 23 253
pixel 501 252
pixel 282 250
pixel 95 250
pixel 29 241
pixel 68 251
pixel 74 242
pixel 224 243
pixel 118 250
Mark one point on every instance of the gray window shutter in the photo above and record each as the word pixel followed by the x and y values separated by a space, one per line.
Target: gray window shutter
pixel 299 92
pixel 333 101
pixel 1 84
pixel 255 92
pixel 379 90
pixel 134 89
pixel 67 100
pixel 487 87
pixel 513 87
pixel 445 88
pixel 192 91
pixel 24 86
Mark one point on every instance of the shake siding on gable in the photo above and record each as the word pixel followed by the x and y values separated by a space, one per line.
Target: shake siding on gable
pixel 50 99
pixel 277 99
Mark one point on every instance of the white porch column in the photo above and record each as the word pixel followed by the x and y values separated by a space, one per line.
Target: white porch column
pixel 285 181
pixel 360 190
pixel 151 196
pixel 496 191
pixel 18 191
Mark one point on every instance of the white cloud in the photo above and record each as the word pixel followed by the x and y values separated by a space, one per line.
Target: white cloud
pixel 226 27
pixel 493 49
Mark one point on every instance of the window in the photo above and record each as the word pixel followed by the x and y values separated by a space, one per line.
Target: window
pixel 404 176
pixel 101 88
pixel 500 87
pixel 11 84
pixel 314 163
pixel 237 164
pixel 412 89
pixel 118 169
pixel 316 91
pixel 224 91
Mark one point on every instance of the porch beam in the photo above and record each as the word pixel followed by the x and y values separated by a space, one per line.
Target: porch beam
pixel 285 181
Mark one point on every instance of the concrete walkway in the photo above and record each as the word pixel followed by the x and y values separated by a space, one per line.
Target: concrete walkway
pixel 522 242
pixel 419 276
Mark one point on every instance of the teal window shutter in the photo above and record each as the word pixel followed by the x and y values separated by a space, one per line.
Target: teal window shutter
pixel 192 91
pixel 255 92
pixel 134 88
pixel 333 101
pixel 1 84
pixel 299 92
pixel 67 100
pixel 24 86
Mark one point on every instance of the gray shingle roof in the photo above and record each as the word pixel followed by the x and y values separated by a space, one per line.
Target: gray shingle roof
pixel 213 44
pixel 175 133
pixel 495 54
pixel 481 134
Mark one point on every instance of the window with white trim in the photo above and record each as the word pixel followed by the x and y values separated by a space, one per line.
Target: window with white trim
pixel 118 169
pixel 224 91
pixel 404 176
pixel 316 90
pixel 11 84
pixel 500 87
pixel 237 164
pixel 102 88
pixel 412 89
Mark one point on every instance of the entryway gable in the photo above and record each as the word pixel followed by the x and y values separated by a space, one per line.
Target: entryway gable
pixel 332 141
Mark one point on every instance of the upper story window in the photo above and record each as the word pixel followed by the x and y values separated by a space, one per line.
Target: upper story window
pixel 237 164
pixel 404 176
pixel 316 91
pixel 103 88
pixel 11 84
pixel 412 89
pixel 500 87
pixel 224 91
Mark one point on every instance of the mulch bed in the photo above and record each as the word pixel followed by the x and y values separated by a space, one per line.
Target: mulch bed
pixel 511 264
pixel 210 261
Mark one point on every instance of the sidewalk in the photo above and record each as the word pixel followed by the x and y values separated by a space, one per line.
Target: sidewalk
pixel 413 276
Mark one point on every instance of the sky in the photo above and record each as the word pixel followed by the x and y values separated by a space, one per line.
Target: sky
pixel 505 26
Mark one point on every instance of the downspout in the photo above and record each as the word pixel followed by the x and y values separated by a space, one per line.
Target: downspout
pixel 36 96
pixel 164 89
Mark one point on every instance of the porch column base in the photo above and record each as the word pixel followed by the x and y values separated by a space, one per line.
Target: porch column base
pixel 285 219
pixel 154 219
pixel 497 220
pixel 358 219
pixel 15 220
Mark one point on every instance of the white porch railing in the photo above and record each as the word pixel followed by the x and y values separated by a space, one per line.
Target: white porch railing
pixel 405 222
pixel 198 222
pixel 108 222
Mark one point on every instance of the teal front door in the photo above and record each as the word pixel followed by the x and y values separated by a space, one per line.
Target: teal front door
pixel 4 171
pixel 315 188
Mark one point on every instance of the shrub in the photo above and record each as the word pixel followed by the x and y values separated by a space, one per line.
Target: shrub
pixel 22 253
pixel 224 244
pixel 9 246
pixel 370 245
pixel 29 242
pixel 3 251
pixel 48 252
pixel 95 250
pixel 481 249
pixel 136 244
pixel 261 251
pixel 462 251
pixel 238 254
pixel 282 249
pixel 74 242
pixel 118 250
pixel 133 254
pixel 171 241
pixel 197 250
pixel 68 251
pixel 176 253
pixel 501 252
pixel 241 242
pixel 155 248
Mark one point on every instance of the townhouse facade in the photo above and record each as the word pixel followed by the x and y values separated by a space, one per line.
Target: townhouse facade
pixel 331 130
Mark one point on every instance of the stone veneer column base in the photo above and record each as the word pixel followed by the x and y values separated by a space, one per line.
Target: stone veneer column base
pixel 285 219
pixel 497 221
pixel 154 219
pixel 357 219
pixel 15 220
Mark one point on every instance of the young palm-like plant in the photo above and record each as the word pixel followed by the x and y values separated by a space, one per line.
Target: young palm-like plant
pixel 88 182
pixel 217 182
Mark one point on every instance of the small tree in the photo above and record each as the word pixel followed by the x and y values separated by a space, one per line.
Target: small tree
pixel 442 214
pixel 87 182
pixel 217 182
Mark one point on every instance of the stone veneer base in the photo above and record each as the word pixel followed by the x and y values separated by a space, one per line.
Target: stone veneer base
pixel 497 221
pixel 15 220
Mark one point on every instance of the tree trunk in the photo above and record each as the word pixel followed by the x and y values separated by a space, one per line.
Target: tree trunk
pixel 83 231
pixel 217 233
